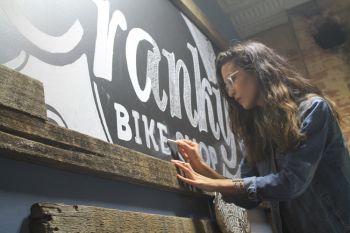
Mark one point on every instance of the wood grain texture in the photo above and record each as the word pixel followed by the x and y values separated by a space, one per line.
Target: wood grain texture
pixel 27 135
pixel 60 218
pixel 22 93
pixel 26 138
pixel 127 166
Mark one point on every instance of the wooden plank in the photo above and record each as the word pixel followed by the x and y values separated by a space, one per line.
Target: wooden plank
pixel 191 10
pixel 129 167
pixel 32 139
pixel 23 137
pixel 60 218
pixel 47 133
pixel 22 93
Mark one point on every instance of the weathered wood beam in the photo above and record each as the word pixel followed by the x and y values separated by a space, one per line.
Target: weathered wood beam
pixel 22 93
pixel 60 218
pixel 25 136
pixel 28 138
pixel 129 166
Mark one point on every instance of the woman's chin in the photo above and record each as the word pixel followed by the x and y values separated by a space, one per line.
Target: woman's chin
pixel 247 106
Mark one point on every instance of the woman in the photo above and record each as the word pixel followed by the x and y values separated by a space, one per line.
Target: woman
pixel 295 155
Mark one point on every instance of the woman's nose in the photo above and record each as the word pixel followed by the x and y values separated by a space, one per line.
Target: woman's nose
pixel 231 92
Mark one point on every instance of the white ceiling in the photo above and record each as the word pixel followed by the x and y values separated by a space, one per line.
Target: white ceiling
pixel 252 16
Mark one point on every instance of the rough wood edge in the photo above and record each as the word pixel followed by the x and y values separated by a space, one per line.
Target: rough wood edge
pixel 191 10
pixel 22 93
pixel 27 136
pixel 76 152
pixel 59 218
pixel 29 139
pixel 128 168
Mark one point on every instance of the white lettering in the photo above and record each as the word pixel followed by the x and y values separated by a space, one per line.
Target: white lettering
pixel 187 96
pixel 199 89
pixel 163 146
pixel 123 127
pixel 135 36
pixel 214 127
pixel 149 133
pixel 136 116
pixel 213 157
pixel 174 92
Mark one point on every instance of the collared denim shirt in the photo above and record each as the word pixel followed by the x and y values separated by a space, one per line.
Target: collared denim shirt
pixel 308 188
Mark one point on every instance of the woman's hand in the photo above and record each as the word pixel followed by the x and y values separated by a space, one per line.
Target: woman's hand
pixel 193 178
pixel 190 152
pixel 205 183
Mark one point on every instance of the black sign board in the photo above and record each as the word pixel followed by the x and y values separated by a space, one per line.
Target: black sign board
pixel 133 73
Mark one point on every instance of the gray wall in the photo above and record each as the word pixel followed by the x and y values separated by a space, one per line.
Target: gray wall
pixel 219 19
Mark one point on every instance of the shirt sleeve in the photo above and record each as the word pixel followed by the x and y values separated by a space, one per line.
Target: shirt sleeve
pixel 241 199
pixel 300 166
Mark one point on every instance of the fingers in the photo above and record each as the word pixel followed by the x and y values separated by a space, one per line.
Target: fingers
pixel 185 167
pixel 190 175
pixel 187 146
pixel 186 180
pixel 192 143
pixel 186 143
pixel 181 164
pixel 183 145
pixel 184 154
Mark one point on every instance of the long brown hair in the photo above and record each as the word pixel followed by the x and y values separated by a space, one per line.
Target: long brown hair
pixel 276 124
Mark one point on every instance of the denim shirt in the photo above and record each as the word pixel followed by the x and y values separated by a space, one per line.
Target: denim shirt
pixel 308 188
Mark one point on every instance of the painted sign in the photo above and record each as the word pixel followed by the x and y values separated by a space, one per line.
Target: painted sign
pixel 133 73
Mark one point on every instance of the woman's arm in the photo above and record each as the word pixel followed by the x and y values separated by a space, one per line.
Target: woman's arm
pixel 232 190
pixel 291 181
pixel 206 183
pixel 210 172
